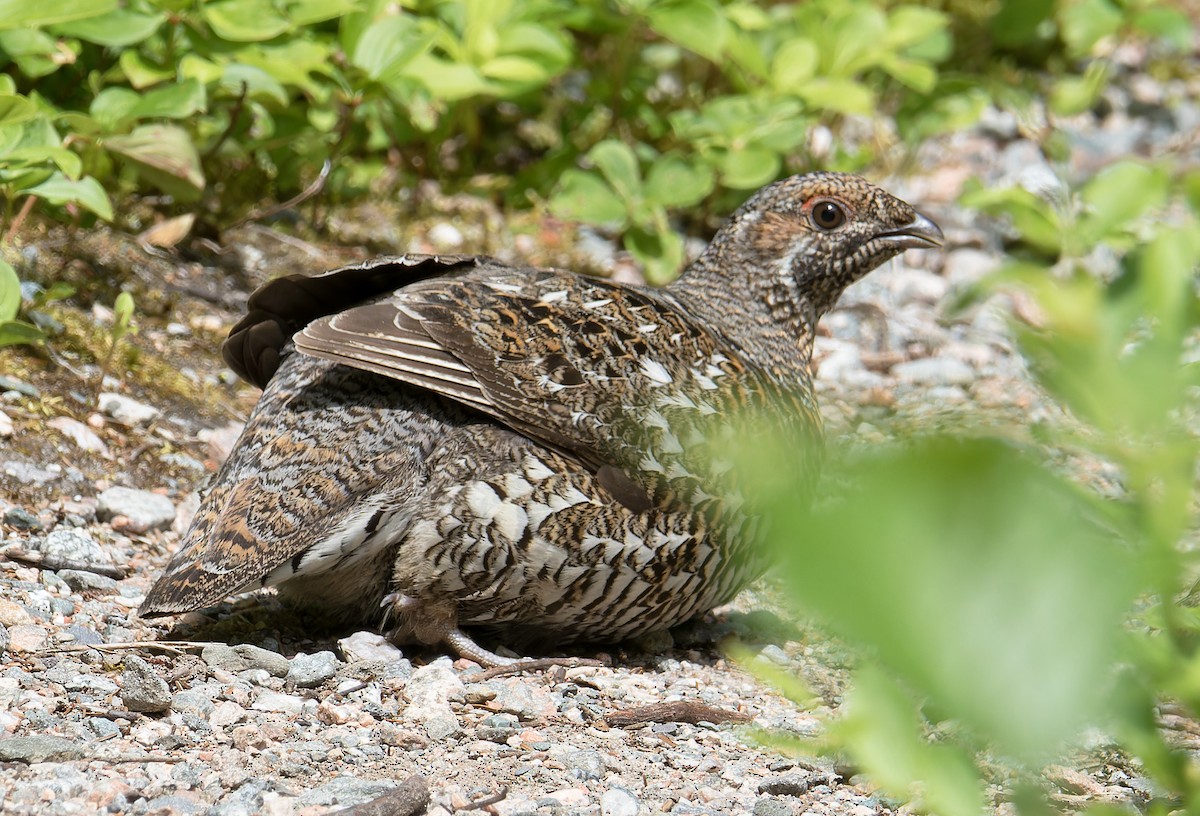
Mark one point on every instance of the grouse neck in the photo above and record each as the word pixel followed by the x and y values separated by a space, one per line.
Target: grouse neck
pixel 757 310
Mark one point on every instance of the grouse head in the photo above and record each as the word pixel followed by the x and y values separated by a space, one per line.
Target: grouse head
pixel 785 256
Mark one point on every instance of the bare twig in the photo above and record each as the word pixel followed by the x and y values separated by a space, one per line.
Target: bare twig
pixel 485 801
pixel 51 562
pixel 535 664
pixel 408 798
pixel 22 214
pixel 685 711
pixel 171 646
pixel 235 114
pixel 308 192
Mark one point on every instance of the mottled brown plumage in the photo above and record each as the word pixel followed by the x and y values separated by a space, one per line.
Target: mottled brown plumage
pixel 531 451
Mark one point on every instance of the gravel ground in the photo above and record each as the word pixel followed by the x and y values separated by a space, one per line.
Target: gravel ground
pixel 248 709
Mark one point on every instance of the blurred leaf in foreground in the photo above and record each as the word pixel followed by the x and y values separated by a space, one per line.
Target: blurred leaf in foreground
pixel 979 579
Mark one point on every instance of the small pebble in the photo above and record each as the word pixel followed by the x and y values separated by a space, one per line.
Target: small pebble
pixel 145 510
pixel 619 802
pixel 309 670
pixel 127 410
pixel 142 688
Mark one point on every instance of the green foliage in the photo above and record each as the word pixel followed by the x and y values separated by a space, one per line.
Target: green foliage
pixel 995 598
pixel 213 102
pixel 13 331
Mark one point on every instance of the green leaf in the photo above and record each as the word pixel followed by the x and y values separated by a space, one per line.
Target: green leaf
pixel 1074 94
pixel 387 46
pixel 245 20
pixel 839 95
pixel 16 333
pixel 176 101
pixel 674 182
pixel 1035 220
pixel 918 75
pixel 619 166
pixel 115 29
pixel 661 252
pixel 1085 22
pixel 258 83
pixel 10 292
pixel 16 110
pixel 697 25
pixel 514 69
pixel 447 81
pixel 585 197
pixel 1170 25
pixel 86 192
pixel 66 161
pixel 165 156
pixel 112 106
pixel 1120 194
pixel 880 727
pixel 795 64
pixel 1014 593
pixel 308 12
pixel 26 14
pixel 749 168
pixel 142 73
pixel 35 52
pixel 122 316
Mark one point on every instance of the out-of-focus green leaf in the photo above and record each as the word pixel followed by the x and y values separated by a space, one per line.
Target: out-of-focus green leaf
pixel 881 729
pixel 619 166
pixel 142 73
pixel 1086 22
pixel 87 192
pixel 166 156
pixel 115 29
pixel 660 251
pixel 1120 194
pixel 24 14
pixel 697 25
pixel 388 46
pixel 10 292
pixel 749 168
pixel 245 20
pixel 16 333
pixel 1074 94
pixel 1036 221
pixel 585 197
pixel 673 182
pixel 308 12
pixel 979 578
pixel 841 95
pixel 795 64
pixel 176 101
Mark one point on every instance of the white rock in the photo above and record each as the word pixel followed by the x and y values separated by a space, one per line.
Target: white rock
pixel 445 236
pixel 934 371
pixel 369 647
pixel 83 436
pixel 126 409
pixel 430 691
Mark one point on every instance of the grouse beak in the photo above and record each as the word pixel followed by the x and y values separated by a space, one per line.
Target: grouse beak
pixel 921 233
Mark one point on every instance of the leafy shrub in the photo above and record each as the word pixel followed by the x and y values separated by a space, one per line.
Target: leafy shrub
pixel 994 595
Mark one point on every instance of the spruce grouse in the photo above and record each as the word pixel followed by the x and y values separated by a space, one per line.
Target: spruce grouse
pixel 448 441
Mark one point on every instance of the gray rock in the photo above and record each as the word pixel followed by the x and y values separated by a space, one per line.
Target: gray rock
pixel 256 657
pixel 309 670
pixel 83 635
pixel 934 371
pixel 786 785
pixel 80 580
pixel 772 806
pixel 40 749
pixel 142 689
pixel 126 410
pixel 29 473
pixel 192 701
pixel 176 805
pixel 584 765
pixel 71 544
pixel 21 519
pixel 103 728
pixel 619 802
pixel 344 790
pixel 775 655
pixel 967 266
pixel 145 510
pixel 430 691
pixel 3 638
pixel 497 728
pixel 245 801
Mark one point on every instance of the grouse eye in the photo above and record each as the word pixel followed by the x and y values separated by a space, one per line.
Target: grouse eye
pixel 827 215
